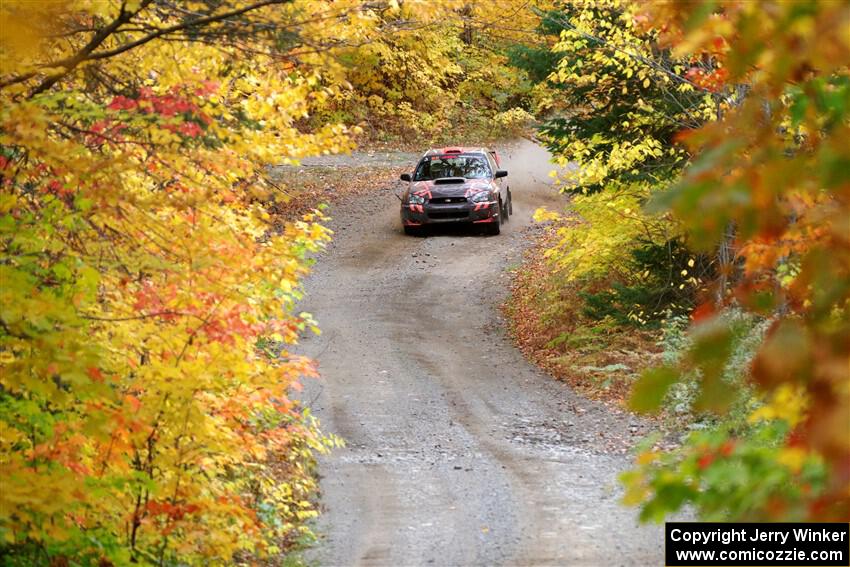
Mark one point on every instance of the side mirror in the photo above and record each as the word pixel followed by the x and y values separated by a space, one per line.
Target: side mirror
pixel 500 173
pixel 405 177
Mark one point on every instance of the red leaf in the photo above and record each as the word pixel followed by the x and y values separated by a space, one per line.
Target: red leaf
pixel 702 312
pixel 133 402
pixel 705 461
pixel 95 373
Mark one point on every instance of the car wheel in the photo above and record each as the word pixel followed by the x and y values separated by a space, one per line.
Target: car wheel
pixel 413 230
pixel 510 203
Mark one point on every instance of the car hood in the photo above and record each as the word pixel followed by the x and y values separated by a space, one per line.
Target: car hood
pixel 450 187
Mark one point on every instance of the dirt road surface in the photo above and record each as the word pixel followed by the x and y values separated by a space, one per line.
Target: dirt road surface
pixel 459 452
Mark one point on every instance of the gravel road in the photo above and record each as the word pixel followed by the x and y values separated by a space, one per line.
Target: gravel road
pixel 459 452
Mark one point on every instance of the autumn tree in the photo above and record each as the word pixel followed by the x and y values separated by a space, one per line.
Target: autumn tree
pixel 148 303
pixel 441 74
pixel 719 128
pixel 775 167
pixel 622 102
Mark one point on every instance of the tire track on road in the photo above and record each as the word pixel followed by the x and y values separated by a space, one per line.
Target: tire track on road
pixel 458 449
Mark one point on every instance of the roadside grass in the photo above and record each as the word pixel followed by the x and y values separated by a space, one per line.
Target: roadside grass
pixel 600 359
pixel 299 190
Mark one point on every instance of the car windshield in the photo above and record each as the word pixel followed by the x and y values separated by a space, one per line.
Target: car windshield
pixel 437 167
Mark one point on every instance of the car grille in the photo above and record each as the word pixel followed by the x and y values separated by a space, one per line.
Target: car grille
pixel 442 200
pixel 448 214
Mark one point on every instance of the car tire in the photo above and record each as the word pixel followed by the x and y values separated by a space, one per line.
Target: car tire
pixel 413 230
pixel 493 228
pixel 510 203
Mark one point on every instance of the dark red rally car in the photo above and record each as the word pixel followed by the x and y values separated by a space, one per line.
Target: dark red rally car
pixel 456 185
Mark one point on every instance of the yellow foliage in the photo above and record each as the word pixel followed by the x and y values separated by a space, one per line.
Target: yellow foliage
pixel 148 301
pixel 598 243
pixel 788 402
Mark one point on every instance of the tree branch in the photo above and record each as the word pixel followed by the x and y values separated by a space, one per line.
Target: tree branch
pixel 89 53
pixel 71 63
pixel 183 26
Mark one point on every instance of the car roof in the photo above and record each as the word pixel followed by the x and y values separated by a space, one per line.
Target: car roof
pixel 457 150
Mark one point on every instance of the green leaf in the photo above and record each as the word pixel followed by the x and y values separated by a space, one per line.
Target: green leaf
pixel 650 389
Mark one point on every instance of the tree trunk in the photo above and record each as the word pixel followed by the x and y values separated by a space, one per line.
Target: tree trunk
pixel 466 35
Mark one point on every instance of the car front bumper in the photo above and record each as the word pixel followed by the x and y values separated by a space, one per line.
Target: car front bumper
pixel 418 215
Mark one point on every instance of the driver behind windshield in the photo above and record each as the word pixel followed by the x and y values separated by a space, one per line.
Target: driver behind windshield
pixel 468 167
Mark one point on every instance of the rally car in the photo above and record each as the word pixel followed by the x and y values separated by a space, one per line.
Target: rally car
pixel 456 185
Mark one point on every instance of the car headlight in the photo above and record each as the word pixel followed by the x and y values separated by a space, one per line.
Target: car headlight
pixel 414 199
pixel 481 197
